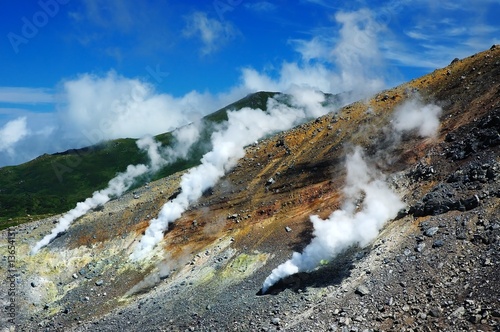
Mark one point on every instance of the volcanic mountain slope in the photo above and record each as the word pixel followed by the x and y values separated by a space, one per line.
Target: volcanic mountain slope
pixel 435 267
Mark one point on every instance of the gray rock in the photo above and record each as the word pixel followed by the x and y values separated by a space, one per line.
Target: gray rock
pixel 420 247
pixel 99 282
pixel 435 312
pixel 438 244
pixel 362 290
pixel 276 321
pixel 474 319
pixel 487 262
pixel 460 311
pixel 431 231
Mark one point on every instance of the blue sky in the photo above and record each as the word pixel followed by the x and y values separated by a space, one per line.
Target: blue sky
pixel 75 72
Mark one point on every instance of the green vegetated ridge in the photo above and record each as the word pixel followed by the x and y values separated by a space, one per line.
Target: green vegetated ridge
pixel 52 184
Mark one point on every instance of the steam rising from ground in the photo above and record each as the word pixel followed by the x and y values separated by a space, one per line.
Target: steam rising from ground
pixel 242 128
pixel 348 226
pixel 185 137
pixel 413 114
pixel 352 226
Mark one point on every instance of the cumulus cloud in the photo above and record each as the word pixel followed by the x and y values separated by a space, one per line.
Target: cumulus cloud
pixel 357 54
pixel 351 61
pixel 11 133
pixel 318 47
pixel 291 73
pixel 112 106
pixel 212 33
pixel 94 108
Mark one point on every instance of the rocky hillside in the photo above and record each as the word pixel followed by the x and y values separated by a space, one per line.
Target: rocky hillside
pixel 433 268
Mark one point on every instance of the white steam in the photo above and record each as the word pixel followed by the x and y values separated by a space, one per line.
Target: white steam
pixel 414 115
pixel 348 226
pixel 152 147
pixel 352 226
pixel 116 187
pixel 184 137
pixel 122 182
pixel 242 128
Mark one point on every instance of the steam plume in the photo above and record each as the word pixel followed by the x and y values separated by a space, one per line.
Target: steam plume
pixel 349 226
pixel 122 182
pixel 414 115
pixel 345 227
pixel 242 128
pixel 184 137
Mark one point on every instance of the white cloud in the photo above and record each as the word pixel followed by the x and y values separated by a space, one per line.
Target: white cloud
pixel 11 133
pixel 440 31
pixel 101 108
pixel 349 55
pixel 24 95
pixel 357 54
pixel 417 35
pixel 315 48
pixel 351 61
pixel 93 108
pixel 290 73
pixel 212 33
